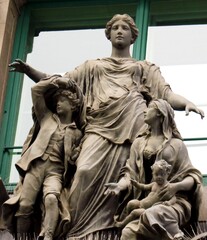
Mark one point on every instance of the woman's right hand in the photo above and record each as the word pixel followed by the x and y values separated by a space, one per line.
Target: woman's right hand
pixel 18 66
pixel 112 189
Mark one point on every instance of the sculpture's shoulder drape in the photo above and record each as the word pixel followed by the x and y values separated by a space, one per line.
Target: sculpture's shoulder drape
pixel 113 93
pixel 153 82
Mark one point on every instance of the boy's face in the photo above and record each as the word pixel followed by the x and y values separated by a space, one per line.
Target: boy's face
pixel 160 176
pixel 63 105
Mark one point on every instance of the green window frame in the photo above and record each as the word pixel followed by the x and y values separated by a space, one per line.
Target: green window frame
pixel 51 15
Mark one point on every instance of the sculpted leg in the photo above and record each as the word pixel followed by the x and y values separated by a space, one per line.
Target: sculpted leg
pixel 133 204
pixel 134 215
pixel 24 214
pixel 30 189
pixel 51 216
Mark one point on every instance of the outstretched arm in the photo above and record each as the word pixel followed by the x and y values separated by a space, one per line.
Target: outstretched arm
pixel 180 103
pixel 155 85
pixel 22 67
pixel 145 187
pixel 116 188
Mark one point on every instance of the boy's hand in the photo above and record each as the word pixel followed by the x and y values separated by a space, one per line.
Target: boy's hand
pixel 62 82
pixel 134 183
pixel 71 84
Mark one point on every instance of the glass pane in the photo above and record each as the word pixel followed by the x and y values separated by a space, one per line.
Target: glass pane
pixel 181 53
pixel 197 151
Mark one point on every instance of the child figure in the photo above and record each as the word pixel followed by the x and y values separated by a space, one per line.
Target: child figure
pixel 43 165
pixel 160 172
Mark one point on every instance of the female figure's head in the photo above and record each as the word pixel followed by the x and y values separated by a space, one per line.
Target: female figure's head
pixel 126 19
pixel 160 111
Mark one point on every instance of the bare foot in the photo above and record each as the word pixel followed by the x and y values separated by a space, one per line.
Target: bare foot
pixel 119 224
pixel 179 236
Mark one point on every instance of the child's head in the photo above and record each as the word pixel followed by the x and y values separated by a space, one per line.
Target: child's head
pixel 160 171
pixel 66 100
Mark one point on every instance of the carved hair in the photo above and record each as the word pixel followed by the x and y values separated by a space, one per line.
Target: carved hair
pixel 126 18
pixel 162 164
pixel 71 96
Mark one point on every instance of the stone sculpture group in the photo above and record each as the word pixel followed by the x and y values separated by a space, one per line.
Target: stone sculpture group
pixel 87 162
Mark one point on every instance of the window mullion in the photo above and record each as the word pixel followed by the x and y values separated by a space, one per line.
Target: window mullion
pixel 142 21
pixel 14 86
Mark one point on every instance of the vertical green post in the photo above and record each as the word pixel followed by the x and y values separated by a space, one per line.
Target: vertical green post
pixel 13 95
pixel 142 21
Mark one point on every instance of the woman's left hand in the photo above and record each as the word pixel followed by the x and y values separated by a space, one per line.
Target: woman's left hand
pixel 192 107
pixel 168 192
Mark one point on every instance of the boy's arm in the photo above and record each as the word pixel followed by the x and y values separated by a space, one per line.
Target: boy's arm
pixel 38 99
pixel 142 186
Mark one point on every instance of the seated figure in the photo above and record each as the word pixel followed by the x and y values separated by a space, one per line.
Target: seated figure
pixel 162 140
pixel 160 172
